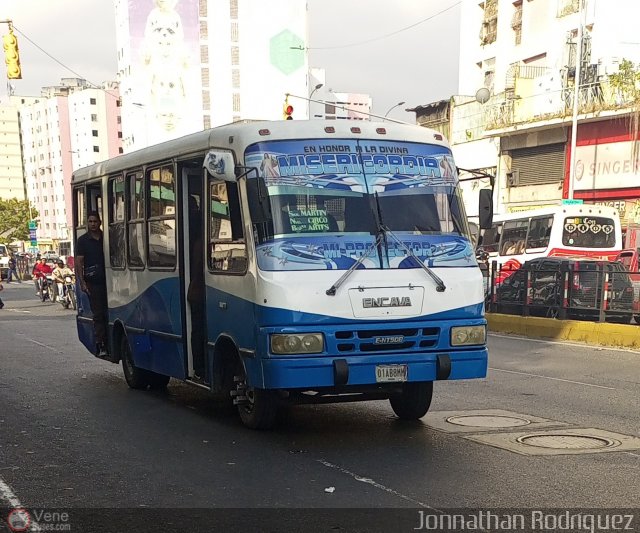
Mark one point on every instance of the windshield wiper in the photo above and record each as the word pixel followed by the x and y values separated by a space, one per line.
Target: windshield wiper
pixel 332 290
pixel 440 286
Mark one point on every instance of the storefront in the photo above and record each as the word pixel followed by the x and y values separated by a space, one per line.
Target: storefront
pixel 608 167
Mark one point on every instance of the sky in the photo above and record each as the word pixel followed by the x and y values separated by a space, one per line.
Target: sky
pixel 362 45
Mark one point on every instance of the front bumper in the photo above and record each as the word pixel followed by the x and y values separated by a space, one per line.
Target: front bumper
pixel 313 372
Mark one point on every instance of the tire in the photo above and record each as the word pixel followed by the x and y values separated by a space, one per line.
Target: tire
pixel 261 408
pixel 72 299
pixel 136 378
pixel 414 400
pixel 44 291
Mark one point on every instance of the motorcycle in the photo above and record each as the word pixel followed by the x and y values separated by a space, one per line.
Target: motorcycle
pixel 68 297
pixel 45 286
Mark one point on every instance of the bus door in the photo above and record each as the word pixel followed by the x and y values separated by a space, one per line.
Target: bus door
pixel 194 323
pixel 87 198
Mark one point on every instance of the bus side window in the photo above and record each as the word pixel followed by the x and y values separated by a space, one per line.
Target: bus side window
pixel 227 247
pixel 539 232
pixel 491 238
pixel 514 235
pixel 80 209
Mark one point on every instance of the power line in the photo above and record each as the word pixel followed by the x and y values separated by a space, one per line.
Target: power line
pixel 95 85
pixel 379 38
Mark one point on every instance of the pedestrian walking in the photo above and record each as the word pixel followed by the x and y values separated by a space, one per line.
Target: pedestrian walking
pixel 13 272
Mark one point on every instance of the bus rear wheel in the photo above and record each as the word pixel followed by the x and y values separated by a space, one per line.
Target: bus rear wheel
pixel 414 400
pixel 136 378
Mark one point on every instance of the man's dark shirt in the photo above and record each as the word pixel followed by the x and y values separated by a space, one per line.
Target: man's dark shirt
pixel 92 251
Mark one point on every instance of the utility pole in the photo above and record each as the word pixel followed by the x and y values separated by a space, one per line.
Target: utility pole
pixel 576 99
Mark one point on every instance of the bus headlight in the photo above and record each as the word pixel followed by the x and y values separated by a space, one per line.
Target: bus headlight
pixel 468 335
pixel 297 343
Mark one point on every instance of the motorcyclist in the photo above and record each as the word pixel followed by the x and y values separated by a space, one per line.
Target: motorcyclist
pixel 40 272
pixel 59 273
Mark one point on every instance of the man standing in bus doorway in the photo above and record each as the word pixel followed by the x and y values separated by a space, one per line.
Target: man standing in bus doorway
pixel 90 270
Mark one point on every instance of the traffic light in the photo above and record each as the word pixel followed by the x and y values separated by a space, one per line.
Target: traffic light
pixel 287 110
pixel 11 55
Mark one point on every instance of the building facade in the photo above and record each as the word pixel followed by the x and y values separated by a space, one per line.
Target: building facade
pixel 70 126
pixel 194 64
pixel 537 58
pixel 12 179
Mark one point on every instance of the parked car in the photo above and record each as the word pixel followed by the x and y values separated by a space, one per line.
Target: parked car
pixel 547 291
pixel 50 255
pixel 630 259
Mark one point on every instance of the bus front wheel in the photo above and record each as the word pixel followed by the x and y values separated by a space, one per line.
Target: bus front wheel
pixel 414 400
pixel 258 408
pixel 136 378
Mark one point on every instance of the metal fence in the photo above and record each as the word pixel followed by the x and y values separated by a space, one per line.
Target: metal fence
pixel 596 291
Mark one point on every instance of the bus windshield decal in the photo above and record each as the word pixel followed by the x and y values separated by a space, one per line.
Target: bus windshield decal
pixel 339 253
pixel 387 164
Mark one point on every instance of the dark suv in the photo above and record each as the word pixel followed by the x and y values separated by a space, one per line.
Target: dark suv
pixel 584 290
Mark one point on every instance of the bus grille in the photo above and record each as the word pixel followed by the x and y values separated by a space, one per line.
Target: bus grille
pixel 386 340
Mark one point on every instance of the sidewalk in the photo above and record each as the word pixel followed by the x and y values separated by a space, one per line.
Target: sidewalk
pixel 592 333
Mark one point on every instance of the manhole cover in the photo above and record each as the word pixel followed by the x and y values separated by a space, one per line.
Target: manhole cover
pixel 488 421
pixel 567 442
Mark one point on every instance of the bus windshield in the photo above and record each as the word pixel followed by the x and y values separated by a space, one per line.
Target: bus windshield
pixel 329 200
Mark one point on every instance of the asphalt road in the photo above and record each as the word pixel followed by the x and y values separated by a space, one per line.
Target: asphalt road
pixel 72 435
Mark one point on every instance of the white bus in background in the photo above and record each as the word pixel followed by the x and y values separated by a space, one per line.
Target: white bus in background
pixel 576 230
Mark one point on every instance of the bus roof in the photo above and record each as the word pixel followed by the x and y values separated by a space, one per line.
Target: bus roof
pixel 247 132
pixel 564 209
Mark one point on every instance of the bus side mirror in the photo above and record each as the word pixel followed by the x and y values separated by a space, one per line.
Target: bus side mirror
pixel 258 200
pixel 485 208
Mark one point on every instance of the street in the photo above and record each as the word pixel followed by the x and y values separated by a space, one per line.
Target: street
pixel 73 435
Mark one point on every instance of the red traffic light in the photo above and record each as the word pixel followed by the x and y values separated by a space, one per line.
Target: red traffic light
pixel 288 111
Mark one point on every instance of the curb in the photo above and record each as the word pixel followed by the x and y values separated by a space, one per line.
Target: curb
pixel 593 333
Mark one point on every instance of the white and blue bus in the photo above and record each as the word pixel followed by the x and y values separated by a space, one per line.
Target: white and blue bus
pixel 289 262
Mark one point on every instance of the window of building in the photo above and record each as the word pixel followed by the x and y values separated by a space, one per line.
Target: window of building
pixel 94 133
pixel 161 225
pixel 568 7
pixel 516 21
pixel 94 118
pixel 235 55
pixel 489 28
pixel 489 66
pixel 92 101
pixel 227 247
pixel 96 148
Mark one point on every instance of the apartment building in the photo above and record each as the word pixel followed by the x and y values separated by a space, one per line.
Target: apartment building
pixel 69 126
pixel 535 58
pixel 207 62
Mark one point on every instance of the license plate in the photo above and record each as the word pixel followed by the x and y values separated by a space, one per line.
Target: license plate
pixel 391 373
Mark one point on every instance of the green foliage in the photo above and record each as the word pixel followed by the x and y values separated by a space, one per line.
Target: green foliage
pixel 14 220
pixel 626 81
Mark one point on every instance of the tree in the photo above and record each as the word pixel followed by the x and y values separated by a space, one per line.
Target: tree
pixel 14 220
pixel 626 82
